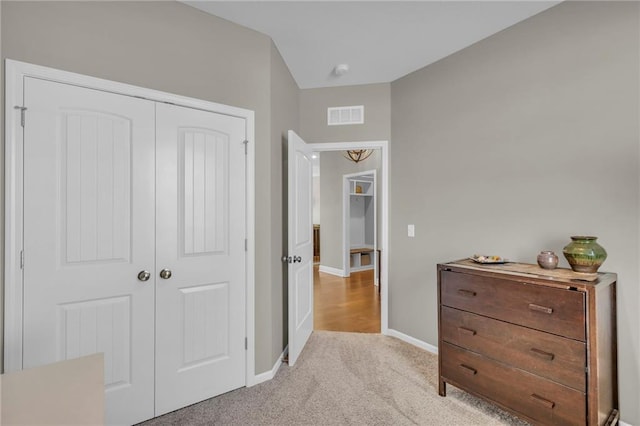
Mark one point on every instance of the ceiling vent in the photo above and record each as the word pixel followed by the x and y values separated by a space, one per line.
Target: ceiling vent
pixel 338 116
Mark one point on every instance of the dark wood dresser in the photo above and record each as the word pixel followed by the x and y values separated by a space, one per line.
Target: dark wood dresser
pixel 540 344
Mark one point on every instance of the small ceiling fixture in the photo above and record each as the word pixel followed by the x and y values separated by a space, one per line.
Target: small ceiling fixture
pixel 358 155
pixel 341 69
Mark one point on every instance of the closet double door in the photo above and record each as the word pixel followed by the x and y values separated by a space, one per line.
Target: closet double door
pixel 134 245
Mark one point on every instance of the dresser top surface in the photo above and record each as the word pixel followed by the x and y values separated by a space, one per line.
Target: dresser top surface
pixel 533 271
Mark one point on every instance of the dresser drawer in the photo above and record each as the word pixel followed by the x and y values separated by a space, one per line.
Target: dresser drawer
pixel 553 357
pixel 539 399
pixel 544 308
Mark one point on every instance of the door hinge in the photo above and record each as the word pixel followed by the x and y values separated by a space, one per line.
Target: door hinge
pixel 246 344
pixel 246 244
pixel 246 143
pixel 21 259
pixel 22 110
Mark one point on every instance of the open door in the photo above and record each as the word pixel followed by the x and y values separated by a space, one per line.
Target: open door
pixel 300 246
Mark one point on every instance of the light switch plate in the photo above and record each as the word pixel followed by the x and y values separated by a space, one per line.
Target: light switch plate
pixel 411 230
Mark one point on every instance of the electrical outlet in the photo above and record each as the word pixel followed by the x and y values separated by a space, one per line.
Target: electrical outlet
pixel 411 230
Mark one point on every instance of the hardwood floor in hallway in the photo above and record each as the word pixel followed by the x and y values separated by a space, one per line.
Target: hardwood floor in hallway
pixel 346 304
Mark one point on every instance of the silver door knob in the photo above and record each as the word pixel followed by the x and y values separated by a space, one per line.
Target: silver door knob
pixel 144 275
pixel 165 274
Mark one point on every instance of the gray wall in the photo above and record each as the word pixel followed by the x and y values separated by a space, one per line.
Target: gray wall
pixel 172 47
pixel 333 166
pixel 514 144
pixel 313 113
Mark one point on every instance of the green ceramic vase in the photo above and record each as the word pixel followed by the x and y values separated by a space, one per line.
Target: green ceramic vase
pixel 584 254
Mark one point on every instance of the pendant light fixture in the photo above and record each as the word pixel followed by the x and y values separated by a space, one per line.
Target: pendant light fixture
pixel 358 155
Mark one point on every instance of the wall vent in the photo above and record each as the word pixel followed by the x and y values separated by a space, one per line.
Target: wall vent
pixel 338 116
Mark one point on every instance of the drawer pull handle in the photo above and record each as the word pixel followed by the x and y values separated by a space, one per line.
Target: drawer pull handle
pixel 543 401
pixel 543 354
pixel 539 308
pixel 466 330
pixel 467 293
pixel 468 370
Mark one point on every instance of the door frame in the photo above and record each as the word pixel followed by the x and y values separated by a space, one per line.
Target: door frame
pixel 15 72
pixel 383 146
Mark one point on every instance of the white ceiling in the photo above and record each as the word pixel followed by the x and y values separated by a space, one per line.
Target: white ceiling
pixel 381 41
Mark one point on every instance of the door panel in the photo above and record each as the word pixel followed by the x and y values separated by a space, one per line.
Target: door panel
pixel 88 231
pixel 303 294
pixel 206 324
pixel 203 185
pixel 96 186
pixel 300 246
pixel 99 326
pixel 201 239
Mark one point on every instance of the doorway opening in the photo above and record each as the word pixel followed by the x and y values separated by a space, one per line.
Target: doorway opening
pixel 300 240
pixel 349 217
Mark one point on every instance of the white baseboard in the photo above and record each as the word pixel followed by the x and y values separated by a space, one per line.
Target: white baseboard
pixel 333 271
pixel 362 268
pixel 268 375
pixel 412 340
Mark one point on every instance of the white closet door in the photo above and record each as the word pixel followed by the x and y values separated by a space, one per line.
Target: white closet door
pixel 200 331
pixel 88 232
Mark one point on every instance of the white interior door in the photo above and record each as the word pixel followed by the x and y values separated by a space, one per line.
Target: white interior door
pixel 200 235
pixel 88 231
pixel 300 245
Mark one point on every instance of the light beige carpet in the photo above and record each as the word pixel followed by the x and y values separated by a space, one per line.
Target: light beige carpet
pixel 347 379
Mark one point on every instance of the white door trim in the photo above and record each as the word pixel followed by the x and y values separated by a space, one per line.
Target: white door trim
pixel 383 146
pixel 15 72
